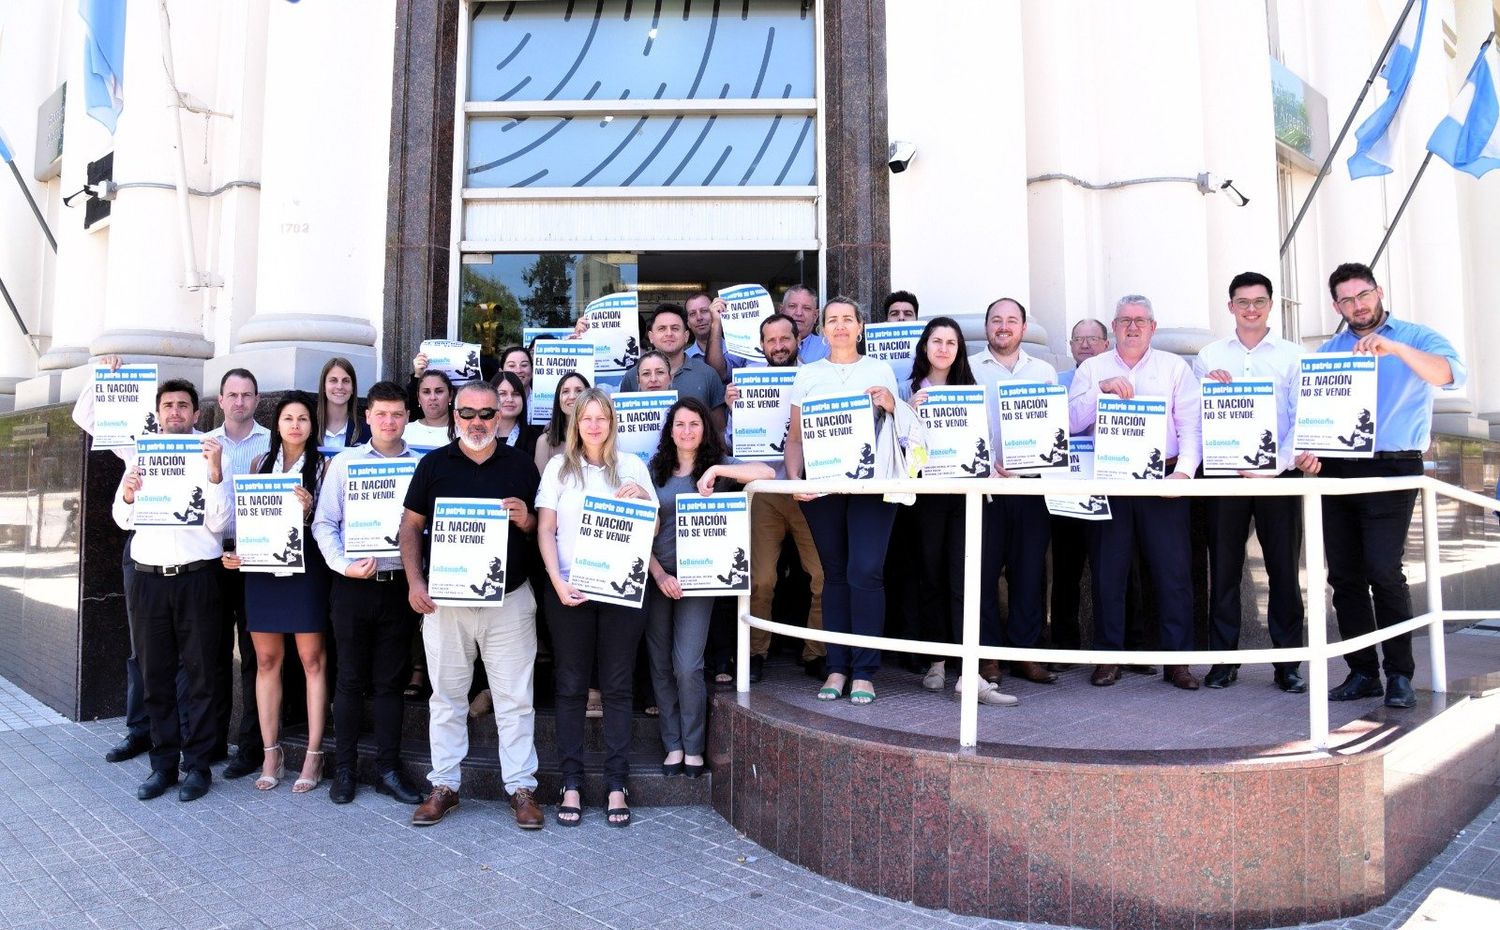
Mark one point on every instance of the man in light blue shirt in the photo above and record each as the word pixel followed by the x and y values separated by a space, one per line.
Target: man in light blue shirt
pixel 1084 345
pixel 1365 534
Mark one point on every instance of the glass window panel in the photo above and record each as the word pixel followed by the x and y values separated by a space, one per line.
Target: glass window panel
pixel 641 151
pixel 513 291
pixel 639 49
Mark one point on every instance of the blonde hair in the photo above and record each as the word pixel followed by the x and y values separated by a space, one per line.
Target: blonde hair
pixel 572 453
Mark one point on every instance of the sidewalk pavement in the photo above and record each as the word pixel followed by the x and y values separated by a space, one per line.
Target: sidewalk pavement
pixel 78 850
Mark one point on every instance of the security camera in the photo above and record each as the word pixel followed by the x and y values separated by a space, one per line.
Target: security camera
pixel 900 155
pixel 1209 183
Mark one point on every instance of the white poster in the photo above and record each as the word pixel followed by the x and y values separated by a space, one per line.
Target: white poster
pixel 1081 467
pixel 124 402
pixel 269 531
pixel 761 415
pixel 531 334
pixel 1033 427
pixel 550 360
pixel 470 540
pixel 1130 437
pixel 958 433
pixel 642 416
pixel 893 342
pixel 1239 427
pixel 838 437
pixel 373 499
pixel 174 477
pixel 713 544
pixel 613 552
pixel 745 305
pixel 1336 406
pixel 614 329
pixel 458 360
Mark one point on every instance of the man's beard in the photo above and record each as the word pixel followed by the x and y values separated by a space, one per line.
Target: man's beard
pixel 474 446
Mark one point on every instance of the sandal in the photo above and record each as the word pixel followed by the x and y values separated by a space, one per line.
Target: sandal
pixel 830 692
pixel 267 782
pixel 652 710
pixel 419 686
pixel 862 696
pixel 576 812
pixel 623 813
pixel 303 784
pixel 595 705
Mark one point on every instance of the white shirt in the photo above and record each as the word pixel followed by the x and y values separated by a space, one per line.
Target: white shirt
pixel 176 545
pixel 239 459
pixel 566 498
pixel 826 377
pixel 328 516
pixel 991 372
pixel 1274 358
pixel 420 434
pixel 1158 374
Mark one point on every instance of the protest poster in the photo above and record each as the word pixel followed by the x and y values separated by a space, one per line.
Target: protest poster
pixel 613 551
pixel 269 532
pixel 1239 427
pixel 124 405
pixel 614 329
pixel 893 343
pixel 761 414
pixel 838 437
pixel 174 477
pixel 1033 427
pixel 1129 438
pixel 531 334
pixel 1336 405
pixel 373 497
pixel 470 541
pixel 713 544
pixel 1080 467
pixel 745 305
pixel 550 361
pixel 640 417
pixel 958 433
pixel 458 360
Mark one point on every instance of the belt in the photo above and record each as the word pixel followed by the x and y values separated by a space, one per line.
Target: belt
pixel 1402 454
pixel 390 574
pixel 171 570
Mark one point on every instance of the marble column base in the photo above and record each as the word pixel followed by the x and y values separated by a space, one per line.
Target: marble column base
pixel 288 350
pixel 1464 424
pixel 46 387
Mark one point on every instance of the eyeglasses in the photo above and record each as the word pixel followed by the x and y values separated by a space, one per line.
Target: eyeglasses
pixel 1347 303
pixel 1245 303
pixel 1090 340
pixel 469 413
pixel 1132 322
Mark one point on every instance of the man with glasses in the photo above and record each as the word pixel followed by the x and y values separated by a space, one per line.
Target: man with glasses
pixel 1253 352
pixel 476 465
pixel 1365 534
pixel 1090 337
pixel 1158 526
pixel 372 621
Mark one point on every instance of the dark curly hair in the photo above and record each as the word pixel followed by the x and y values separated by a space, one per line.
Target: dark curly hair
pixel 959 374
pixel 710 450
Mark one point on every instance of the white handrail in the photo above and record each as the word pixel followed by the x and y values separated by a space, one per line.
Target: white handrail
pixel 1316 653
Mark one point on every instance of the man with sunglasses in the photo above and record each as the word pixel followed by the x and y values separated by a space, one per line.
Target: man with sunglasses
pixel 372 621
pixel 1364 535
pixel 477 465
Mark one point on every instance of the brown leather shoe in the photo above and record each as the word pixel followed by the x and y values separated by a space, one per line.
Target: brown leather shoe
pixel 528 814
pixel 1179 676
pixel 989 670
pixel 1104 675
pixel 442 800
pixel 1032 671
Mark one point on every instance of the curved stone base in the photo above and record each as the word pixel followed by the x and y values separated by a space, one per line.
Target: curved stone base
pixel 1263 836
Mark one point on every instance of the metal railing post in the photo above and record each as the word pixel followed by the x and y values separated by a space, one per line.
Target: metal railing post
pixel 968 715
pixel 742 633
pixel 1432 549
pixel 1317 621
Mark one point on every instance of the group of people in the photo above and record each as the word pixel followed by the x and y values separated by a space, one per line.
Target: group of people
pixel 187 602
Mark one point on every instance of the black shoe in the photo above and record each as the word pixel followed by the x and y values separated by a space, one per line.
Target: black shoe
pixel 1140 669
pixel 242 764
pixel 219 754
pixel 194 786
pixel 1398 692
pixel 394 784
pixel 757 668
pixel 1291 681
pixel 129 747
pixel 816 667
pixel 1357 685
pixel 1221 676
pixel 156 785
pixel 344 787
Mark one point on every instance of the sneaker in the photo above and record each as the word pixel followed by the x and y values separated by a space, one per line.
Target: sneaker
pixel 936 678
pixel 989 694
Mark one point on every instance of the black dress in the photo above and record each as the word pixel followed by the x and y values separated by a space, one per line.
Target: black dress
pixel 289 603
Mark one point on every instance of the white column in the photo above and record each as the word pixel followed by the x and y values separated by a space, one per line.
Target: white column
pixel 325 176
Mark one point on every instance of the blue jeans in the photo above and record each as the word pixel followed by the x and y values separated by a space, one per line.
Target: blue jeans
pixel 852 532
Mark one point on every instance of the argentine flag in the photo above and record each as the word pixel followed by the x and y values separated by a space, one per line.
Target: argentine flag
pixel 103 59
pixel 1467 137
pixel 4 150
pixel 1376 135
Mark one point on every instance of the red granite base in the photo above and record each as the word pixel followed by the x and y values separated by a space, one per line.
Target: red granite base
pixel 1246 837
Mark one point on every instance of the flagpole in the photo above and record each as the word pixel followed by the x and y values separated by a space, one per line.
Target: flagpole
pixel 1400 210
pixel 36 211
pixel 9 302
pixel 1333 150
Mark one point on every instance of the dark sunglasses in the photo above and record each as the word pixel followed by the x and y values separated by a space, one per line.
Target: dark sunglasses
pixel 469 413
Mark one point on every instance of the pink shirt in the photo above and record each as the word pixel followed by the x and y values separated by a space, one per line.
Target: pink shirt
pixel 1157 373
